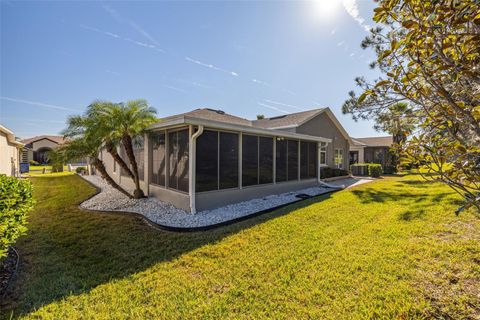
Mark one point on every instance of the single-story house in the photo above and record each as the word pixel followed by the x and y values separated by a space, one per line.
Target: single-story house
pixel 207 158
pixel 10 150
pixel 371 150
pixel 37 148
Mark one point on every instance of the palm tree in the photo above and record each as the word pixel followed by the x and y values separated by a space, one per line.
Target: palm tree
pixel 84 143
pixel 120 124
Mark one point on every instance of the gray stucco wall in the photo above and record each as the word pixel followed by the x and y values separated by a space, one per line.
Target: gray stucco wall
pixel 322 126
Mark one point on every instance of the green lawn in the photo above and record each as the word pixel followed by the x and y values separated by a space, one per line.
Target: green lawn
pixel 387 249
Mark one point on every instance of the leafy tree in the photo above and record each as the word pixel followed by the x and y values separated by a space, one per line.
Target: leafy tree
pixel 427 53
pixel 260 116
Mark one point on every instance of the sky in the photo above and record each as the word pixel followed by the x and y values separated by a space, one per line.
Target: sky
pixel 242 57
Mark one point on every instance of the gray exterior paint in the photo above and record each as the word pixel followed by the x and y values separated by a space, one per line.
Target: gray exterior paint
pixel 323 126
pixel 319 126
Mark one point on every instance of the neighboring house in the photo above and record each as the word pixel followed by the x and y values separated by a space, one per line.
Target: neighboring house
pixel 207 158
pixel 10 150
pixel 372 150
pixel 37 148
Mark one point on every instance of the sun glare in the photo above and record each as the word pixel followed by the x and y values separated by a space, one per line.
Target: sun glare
pixel 326 9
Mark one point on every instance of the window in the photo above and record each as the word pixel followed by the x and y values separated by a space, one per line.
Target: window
pixel 303 160
pixel 312 159
pixel 265 158
pixel 281 160
pixel 178 158
pixel 323 154
pixel 249 160
pixel 157 144
pixel 217 161
pixel 228 160
pixel 207 161
pixel 339 158
pixel 292 160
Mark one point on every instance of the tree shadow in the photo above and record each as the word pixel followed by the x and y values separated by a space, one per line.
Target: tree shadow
pixel 69 251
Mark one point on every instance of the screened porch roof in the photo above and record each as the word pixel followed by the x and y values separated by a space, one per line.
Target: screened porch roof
pixel 180 120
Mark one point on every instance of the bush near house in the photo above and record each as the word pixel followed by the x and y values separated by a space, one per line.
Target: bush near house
pixel 375 170
pixel 80 169
pixel 328 172
pixel 34 163
pixel 15 202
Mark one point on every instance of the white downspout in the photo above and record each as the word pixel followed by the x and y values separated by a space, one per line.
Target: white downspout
pixel 192 171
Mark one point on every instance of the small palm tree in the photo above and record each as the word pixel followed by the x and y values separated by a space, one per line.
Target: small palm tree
pixel 120 124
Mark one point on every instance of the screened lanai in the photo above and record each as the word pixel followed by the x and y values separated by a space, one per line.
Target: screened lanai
pixel 199 164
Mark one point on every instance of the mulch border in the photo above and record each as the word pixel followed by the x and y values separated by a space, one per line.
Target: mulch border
pixel 4 289
pixel 195 229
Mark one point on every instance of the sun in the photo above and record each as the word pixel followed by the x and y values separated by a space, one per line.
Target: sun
pixel 326 9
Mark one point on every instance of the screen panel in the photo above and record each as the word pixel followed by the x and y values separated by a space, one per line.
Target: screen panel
pixel 228 160
pixel 292 172
pixel 207 161
pixel 249 160
pixel 303 160
pixel 281 160
pixel 157 173
pixel 265 157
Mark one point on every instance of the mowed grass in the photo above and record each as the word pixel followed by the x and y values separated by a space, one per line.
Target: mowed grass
pixel 388 249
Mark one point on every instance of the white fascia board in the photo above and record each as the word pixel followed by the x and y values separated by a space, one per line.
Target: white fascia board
pixel 186 120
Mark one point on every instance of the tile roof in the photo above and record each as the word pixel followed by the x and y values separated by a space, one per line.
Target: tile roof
pixel 56 139
pixel 292 119
pixel 375 141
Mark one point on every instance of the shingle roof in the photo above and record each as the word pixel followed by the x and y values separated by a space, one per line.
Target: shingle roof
pixel 376 141
pixel 292 119
pixel 217 115
pixel 56 139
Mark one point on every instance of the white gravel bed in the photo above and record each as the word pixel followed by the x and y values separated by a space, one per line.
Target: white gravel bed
pixel 163 213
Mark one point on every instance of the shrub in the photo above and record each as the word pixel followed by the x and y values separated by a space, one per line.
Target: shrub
pixel 15 202
pixel 80 169
pixel 374 170
pixel 359 169
pixel 34 163
pixel 390 169
pixel 327 172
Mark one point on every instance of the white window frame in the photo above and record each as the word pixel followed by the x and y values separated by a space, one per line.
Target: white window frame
pixel 338 160
pixel 323 150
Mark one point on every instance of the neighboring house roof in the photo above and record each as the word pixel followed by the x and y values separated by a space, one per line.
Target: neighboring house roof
pixel 10 136
pixel 288 120
pixel 374 141
pixel 54 139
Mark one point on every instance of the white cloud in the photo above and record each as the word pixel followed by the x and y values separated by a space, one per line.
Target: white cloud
pixel 272 107
pixel 174 88
pixel 333 32
pixel 113 13
pixel 341 43
pixel 144 33
pixel 112 72
pixel 261 82
pixel 285 105
pixel 351 7
pixel 211 66
pixel 36 103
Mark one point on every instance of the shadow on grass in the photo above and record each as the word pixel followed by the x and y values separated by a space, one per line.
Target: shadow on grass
pixel 68 251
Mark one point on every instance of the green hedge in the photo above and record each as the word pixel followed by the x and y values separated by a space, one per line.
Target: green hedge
pixel 15 202
pixel 375 170
pixel 327 172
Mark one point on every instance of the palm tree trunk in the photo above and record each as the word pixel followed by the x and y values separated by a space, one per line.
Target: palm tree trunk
pixel 98 164
pixel 127 143
pixel 116 157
